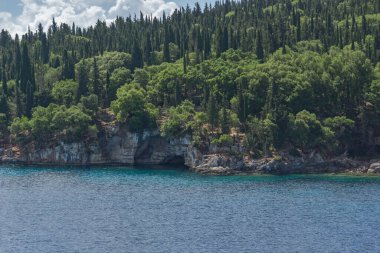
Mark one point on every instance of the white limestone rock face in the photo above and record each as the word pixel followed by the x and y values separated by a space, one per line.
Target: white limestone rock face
pixel 117 147
pixel 73 153
pixel 121 148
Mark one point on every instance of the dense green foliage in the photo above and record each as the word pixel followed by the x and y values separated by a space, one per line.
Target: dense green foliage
pixel 66 124
pixel 279 73
pixel 131 107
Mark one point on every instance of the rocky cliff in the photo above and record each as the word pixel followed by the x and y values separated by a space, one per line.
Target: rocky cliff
pixel 222 163
pixel 118 146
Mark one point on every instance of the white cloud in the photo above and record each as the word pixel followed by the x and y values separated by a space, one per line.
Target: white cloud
pixel 7 23
pixel 83 12
pixel 148 7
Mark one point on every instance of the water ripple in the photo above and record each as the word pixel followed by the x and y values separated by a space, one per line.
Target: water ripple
pixel 142 210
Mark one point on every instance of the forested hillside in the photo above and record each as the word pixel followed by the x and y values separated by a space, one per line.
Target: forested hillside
pixel 276 73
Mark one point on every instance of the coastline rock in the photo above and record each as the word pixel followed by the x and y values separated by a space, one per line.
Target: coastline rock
pixel 224 164
pixel 219 164
pixel 374 168
pixel 118 146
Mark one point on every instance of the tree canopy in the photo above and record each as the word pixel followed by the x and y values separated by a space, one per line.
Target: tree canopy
pixel 301 73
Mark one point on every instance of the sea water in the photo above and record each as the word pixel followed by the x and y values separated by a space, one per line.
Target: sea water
pixel 106 209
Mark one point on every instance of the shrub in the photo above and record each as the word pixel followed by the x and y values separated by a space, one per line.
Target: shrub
pixel 180 120
pixel 70 124
pixel 64 92
pixel 224 139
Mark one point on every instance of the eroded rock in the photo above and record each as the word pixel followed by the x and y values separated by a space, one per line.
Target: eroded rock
pixel 374 168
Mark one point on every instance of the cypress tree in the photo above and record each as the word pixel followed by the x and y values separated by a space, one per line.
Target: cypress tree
pixel 207 45
pixel 29 99
pixel 347 32
pixel 17 58
pixel 242 111
pixel 137 58
pixel 82 81
pixel 18 100
pixel 4 83
pixel 298 27
pixel 225 44
pixel 224 124
pixel 364 26
pixel 166 46
pixel 68 70
pixel 219 44
pixel 148 50
pixel 353 32
pixel 108 84
pixel 184 60
pixel 178 96
pixel 212 110
pixel 96 79
pixel 26 69
pixel 4 109
pixel 206 94
pixel 44 44
pixel 45 49
pixel 54 26
pixel 259 46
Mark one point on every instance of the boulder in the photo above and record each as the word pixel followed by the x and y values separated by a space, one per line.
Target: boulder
pixel 374 168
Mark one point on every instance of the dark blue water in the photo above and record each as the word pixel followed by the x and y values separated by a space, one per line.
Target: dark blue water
pixel 129 210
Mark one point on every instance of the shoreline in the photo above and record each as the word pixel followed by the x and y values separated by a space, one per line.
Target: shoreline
pixel 363 171
pixel 124 149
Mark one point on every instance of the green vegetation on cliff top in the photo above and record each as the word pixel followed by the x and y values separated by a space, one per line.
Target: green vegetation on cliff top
pixel 301 74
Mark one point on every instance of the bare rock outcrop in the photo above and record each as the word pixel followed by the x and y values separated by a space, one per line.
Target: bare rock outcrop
pixel 119 146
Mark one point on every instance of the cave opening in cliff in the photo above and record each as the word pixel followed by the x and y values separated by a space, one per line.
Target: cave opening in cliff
pixel 175 160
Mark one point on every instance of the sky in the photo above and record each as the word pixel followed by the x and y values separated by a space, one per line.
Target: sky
pixel 17 15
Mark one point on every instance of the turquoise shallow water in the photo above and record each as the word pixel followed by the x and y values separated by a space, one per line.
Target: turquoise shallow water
pixel 144 210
